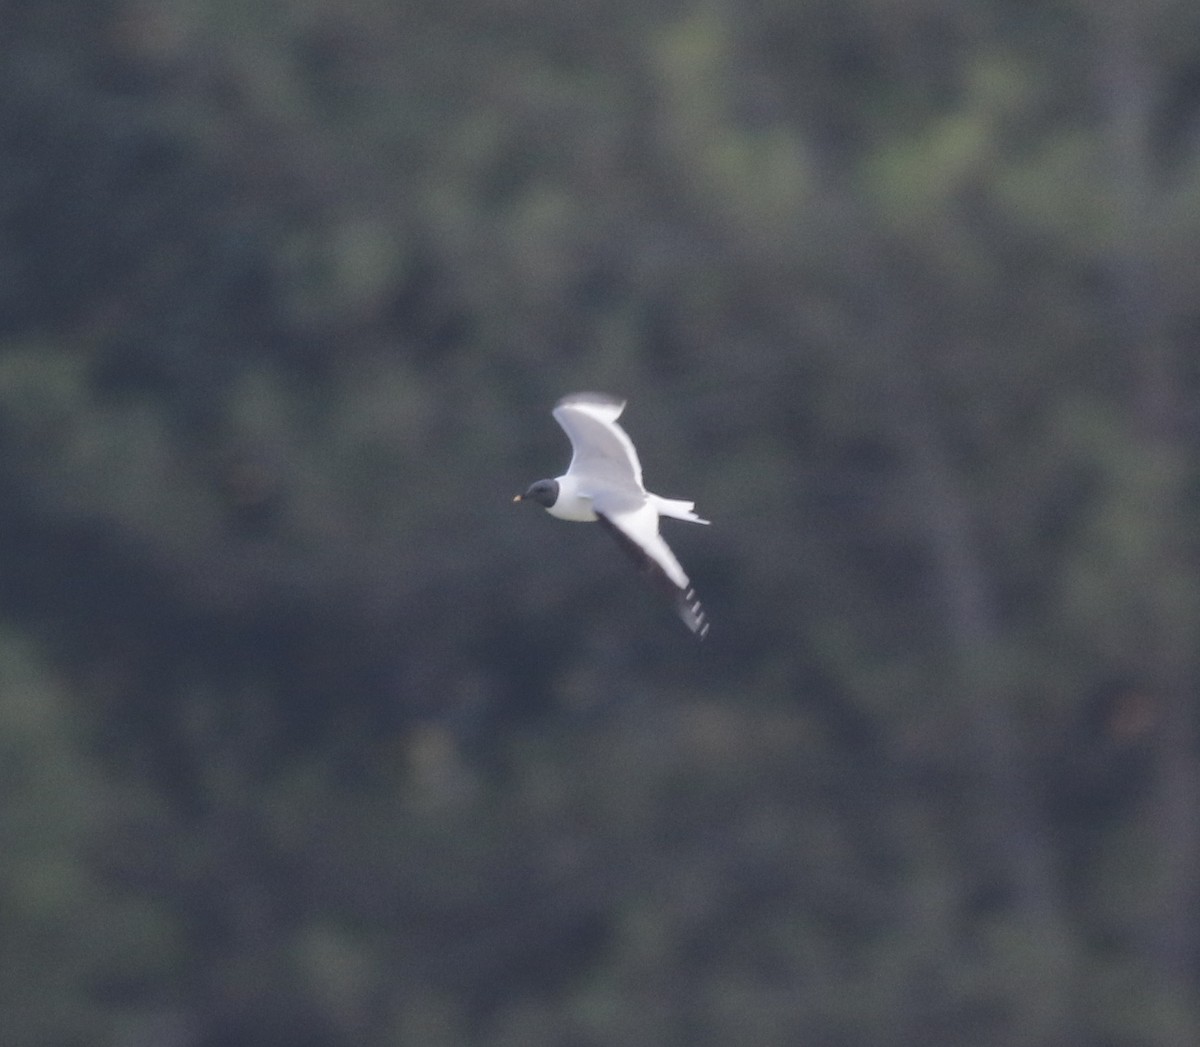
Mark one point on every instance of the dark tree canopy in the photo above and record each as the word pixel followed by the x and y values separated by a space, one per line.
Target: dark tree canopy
pixel 310 738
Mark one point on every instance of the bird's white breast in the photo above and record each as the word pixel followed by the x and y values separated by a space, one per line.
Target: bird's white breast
pixel 571 504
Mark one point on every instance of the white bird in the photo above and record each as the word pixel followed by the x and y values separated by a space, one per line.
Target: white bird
pixel 604 482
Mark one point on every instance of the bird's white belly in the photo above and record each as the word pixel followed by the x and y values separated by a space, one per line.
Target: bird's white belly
pixel 570 504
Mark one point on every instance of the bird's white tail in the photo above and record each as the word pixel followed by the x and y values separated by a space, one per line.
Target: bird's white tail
pixel 677 508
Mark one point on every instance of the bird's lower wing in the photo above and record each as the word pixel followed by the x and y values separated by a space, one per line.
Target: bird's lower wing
pixel 637 533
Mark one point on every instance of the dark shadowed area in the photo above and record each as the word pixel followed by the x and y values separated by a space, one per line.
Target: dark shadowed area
pixel 309 737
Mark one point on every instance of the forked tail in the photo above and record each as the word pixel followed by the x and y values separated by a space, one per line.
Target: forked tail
pixel 677 508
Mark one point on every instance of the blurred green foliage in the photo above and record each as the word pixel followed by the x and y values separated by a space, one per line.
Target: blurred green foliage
pixel 308 737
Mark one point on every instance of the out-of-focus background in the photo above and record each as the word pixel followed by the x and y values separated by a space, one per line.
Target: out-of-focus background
pixel 310 738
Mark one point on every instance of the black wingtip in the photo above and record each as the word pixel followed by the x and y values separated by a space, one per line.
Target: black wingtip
pixel 692 613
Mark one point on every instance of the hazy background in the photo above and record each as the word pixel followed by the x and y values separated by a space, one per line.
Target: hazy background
pixel 310 738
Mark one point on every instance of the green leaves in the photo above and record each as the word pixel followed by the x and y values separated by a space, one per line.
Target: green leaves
pixel 293 696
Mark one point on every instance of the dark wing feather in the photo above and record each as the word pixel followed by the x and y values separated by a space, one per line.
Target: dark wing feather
pixel 687 604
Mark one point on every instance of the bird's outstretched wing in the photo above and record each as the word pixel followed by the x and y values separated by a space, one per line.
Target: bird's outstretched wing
pixel 636 531
pixel 603 452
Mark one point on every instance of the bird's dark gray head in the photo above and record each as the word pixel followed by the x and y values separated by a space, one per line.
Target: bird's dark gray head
pixel 544 492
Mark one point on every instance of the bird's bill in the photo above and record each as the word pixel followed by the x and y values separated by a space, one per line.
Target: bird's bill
pixel 518 498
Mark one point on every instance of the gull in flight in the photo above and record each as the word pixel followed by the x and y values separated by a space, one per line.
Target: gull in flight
pixel 604 483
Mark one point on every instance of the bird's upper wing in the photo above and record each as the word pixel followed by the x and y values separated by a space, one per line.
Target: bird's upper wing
pixel 635 528
pixel 603 452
